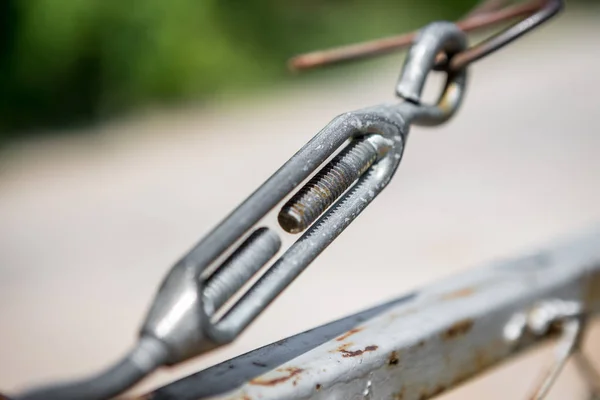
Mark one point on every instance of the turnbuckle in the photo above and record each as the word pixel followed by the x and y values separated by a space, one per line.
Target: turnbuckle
pixel 195 308
pixel 184 315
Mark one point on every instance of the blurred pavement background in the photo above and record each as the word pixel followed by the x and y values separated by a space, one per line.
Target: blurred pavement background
pixel 90 223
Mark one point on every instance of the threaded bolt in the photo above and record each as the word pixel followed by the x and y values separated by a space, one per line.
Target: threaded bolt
pixel 331 182
pixel 245 261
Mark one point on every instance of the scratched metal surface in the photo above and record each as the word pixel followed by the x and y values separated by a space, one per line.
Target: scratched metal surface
pixel 414 348
pixel 90 224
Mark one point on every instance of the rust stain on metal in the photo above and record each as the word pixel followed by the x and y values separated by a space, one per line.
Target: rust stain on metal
pixel 291 372
pixel 482 360
pixel 353 353
pixel 348 353
pixel 457 294
pixel 318 386
pixel 342 348
pixel 393 359
pixel 437 390
pixel 457 329
pixel 348 334
pixel 399 395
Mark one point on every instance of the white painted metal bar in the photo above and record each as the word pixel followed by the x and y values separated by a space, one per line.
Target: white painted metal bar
pixel 415 347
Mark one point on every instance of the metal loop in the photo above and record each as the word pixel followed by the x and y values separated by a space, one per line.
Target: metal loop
pixel 570 322
pixel 435 38
pixel 554 315
pixel 570 331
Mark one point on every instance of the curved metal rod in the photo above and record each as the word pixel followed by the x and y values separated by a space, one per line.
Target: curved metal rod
pixel 143 359
pixel 570 335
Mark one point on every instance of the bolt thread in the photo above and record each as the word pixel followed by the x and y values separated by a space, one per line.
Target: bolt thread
pixel 245 261
pixel 327 185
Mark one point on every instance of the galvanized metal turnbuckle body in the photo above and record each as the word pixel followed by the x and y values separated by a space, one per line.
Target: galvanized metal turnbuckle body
pixel 181 315
pixel 191 313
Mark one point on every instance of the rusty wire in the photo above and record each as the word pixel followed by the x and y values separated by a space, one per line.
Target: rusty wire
pixel 489 13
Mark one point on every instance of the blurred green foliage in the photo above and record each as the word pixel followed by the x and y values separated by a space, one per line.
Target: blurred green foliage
pixel 71 61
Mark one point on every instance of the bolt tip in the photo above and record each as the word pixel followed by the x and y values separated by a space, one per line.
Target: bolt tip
pixel 290 221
